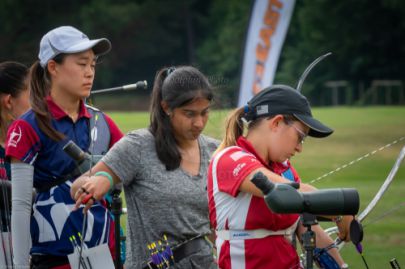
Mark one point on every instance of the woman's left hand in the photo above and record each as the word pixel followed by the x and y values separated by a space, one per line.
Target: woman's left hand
pixel 343 225
pixel 87 189
pixel 93 188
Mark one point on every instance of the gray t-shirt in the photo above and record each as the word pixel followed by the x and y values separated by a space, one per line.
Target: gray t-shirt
pixel 160 201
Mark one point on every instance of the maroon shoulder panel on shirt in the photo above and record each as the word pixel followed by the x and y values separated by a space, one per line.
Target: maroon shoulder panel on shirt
pixel 22 141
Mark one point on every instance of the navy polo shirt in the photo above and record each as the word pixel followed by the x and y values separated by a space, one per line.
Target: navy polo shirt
pixel 53 223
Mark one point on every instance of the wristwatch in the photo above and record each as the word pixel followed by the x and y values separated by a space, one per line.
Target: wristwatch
pixel 344 266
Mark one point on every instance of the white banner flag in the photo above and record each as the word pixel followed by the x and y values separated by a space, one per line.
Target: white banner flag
pixel 268 26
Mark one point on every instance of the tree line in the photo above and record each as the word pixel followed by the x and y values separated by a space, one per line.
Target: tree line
pixel 364 37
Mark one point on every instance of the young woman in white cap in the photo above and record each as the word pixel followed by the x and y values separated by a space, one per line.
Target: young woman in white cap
pixel 59 83
pixel 278 119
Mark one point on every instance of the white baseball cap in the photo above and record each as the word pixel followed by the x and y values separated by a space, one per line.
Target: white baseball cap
pixel 67 39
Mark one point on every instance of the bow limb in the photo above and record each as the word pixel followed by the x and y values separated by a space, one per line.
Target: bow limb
pixel 384 187
pixel 377 197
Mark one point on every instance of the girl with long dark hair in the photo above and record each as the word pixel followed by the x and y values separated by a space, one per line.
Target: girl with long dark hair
pixel 163 170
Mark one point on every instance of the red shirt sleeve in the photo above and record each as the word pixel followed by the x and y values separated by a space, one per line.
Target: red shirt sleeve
pixel 22 141
pixel 232 169
pixel 115 132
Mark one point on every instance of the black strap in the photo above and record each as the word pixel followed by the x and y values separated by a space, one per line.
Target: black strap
pixel 183 251
pixel 189 248
pixel 48 261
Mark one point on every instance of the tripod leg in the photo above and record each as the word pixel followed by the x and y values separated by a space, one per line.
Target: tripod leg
pixel 116 210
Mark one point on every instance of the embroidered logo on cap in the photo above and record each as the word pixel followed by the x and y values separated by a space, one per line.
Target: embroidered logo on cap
pixel 262 110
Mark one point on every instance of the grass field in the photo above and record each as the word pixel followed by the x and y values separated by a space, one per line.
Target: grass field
pixel 358 131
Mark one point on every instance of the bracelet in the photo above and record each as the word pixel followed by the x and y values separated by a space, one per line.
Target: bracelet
pixel 107 175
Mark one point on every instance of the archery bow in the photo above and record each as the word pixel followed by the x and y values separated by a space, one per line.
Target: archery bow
pixel 5 227
pixel 377 197
pixel 309 68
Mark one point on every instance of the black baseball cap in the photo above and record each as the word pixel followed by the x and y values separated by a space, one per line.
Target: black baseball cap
pixel 285 100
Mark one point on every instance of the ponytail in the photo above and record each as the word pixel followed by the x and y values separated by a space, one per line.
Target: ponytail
pixel 233 129
pixel 160 127
pixel 40 89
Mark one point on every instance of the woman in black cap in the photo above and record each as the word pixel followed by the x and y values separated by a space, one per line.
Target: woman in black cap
pixel 278 120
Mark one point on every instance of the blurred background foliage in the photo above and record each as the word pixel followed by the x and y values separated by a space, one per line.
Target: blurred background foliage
pixel 364 37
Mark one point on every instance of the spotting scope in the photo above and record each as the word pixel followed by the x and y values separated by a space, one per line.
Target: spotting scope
pixel 285 199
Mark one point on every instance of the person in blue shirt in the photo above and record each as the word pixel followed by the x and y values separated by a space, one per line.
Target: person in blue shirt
pixel 59 82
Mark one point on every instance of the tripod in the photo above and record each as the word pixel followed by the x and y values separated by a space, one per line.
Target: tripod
pixel 309 238
pixel 116 209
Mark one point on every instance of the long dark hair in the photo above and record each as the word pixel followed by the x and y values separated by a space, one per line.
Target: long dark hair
pixel 40 86
pixel 13 81
pixel 177 87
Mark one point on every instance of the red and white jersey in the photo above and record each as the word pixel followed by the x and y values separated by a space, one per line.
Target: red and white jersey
pixel 231 209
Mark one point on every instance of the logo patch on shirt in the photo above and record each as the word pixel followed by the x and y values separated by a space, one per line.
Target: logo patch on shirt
pixel 94 134
pixel 237 155
pixel 238 168
pixel 15 137
pixel 240 235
